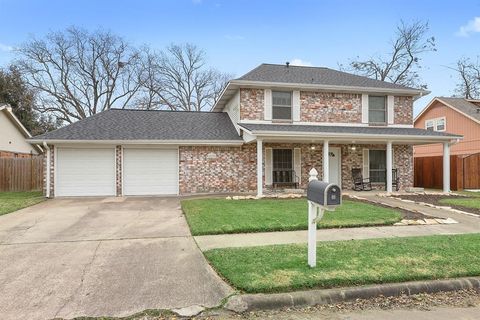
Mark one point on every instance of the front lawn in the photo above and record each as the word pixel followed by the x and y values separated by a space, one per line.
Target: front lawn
pixel 13 201
pixel 473 203
pixel 218 216
pixel 348 263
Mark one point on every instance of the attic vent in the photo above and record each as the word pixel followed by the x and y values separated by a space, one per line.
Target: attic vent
pixel 287 64
pixel 478 110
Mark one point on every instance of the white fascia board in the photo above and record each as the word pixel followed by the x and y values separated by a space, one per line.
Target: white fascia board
pixel 225 96
pixel 425 109
pixel 146 142
pixel 305 86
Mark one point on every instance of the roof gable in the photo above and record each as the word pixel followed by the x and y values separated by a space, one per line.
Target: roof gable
pixel 467 108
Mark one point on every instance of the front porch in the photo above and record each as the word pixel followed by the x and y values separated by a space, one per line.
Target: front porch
pixel 286 165
pixel 379 153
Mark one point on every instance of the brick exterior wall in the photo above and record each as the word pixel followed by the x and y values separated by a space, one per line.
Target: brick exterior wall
pixel 403 161
pixel 403 110
pixel 217 169
pixel 52 171
pixel 118 170
pixel 323 107
pixel 205 169
pixel 330 107
pixel 251 104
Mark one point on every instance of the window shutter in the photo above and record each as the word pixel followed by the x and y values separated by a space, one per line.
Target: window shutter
pixel 364 108
pixel 366 163
pixel 268 166
pixel 297 163
pixel 267 107
pixel 296 105
pixel 390 109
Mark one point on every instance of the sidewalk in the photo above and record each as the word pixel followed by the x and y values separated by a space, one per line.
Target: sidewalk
pixel 466 224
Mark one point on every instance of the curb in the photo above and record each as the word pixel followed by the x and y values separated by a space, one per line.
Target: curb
pixel 249 302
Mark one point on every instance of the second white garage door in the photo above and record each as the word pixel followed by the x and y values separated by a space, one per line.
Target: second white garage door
pixel 150 171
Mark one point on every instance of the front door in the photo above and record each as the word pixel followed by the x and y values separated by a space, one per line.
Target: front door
pixel 335 166
pixel 282 166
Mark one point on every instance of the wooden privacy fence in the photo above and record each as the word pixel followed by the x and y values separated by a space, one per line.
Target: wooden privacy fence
pixel 17 174
pixel 471 171
pixel 464 172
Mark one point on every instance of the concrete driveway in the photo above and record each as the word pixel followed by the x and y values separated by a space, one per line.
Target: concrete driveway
pixel 101 257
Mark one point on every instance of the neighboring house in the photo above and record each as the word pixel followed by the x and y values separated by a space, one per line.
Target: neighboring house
pixel 270 126
pixel 13 136
pixel 455 115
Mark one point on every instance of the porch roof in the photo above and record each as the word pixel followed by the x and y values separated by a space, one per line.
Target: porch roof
pixel 347 133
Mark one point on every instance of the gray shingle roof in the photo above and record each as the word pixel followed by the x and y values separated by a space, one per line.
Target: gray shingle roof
pixel 314 75
pixel 463 105
pixel 346 129
pixel 118 124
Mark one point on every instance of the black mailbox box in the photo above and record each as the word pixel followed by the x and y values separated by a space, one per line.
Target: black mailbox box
pixel 324 193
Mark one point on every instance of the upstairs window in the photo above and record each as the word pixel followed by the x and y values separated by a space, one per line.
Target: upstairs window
pixel 377 109
pixel 438 124
pixel 281 105
pixel 430 125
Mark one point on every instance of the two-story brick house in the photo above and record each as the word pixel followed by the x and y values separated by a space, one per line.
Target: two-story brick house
pixel 269 127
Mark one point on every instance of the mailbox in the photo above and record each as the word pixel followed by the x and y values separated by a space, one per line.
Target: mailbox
pixel 324 194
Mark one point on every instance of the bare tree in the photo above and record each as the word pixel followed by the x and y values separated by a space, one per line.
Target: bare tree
pixel 79 73
pixel 179 79
pixel 401 64
pixel 469 76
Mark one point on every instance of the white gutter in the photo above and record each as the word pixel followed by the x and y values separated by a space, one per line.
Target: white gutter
pixel 47 187
pixel 373 137
pixel 328 87
pixel 147 142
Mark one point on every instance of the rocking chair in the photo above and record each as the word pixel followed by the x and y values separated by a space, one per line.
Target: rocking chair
pixel 360 183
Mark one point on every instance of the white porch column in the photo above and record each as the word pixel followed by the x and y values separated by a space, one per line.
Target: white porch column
pixel 389 167
pixel 259 168
pixel 446 167
pixel 326 162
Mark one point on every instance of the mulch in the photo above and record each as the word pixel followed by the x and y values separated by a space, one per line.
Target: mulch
pixel 406 214
pixel 435 200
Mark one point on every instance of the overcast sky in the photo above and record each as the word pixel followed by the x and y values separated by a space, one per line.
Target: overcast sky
pixel 239 35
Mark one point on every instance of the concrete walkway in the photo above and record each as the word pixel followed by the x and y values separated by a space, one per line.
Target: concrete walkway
pixel 467 224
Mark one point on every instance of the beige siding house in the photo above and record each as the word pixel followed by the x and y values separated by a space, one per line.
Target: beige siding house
pixel 13 136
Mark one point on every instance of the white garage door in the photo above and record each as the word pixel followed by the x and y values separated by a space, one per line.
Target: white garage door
pixel 150 171
pixel 85 172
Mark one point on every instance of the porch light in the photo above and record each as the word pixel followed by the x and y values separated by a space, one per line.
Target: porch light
pixel 312 147
pixel 353 148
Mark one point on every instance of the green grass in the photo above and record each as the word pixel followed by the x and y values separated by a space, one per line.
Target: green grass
pixel 467 202
pixel 348 263
pixel 13 201
pixel 219 216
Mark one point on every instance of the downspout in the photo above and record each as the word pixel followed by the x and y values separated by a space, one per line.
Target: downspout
pixel 47 187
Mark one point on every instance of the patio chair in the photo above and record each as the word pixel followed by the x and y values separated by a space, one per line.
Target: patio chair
pixel 360 183
pixel 395 180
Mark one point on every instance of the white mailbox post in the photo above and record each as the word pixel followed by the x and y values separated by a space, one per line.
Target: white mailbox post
pixel 321 196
